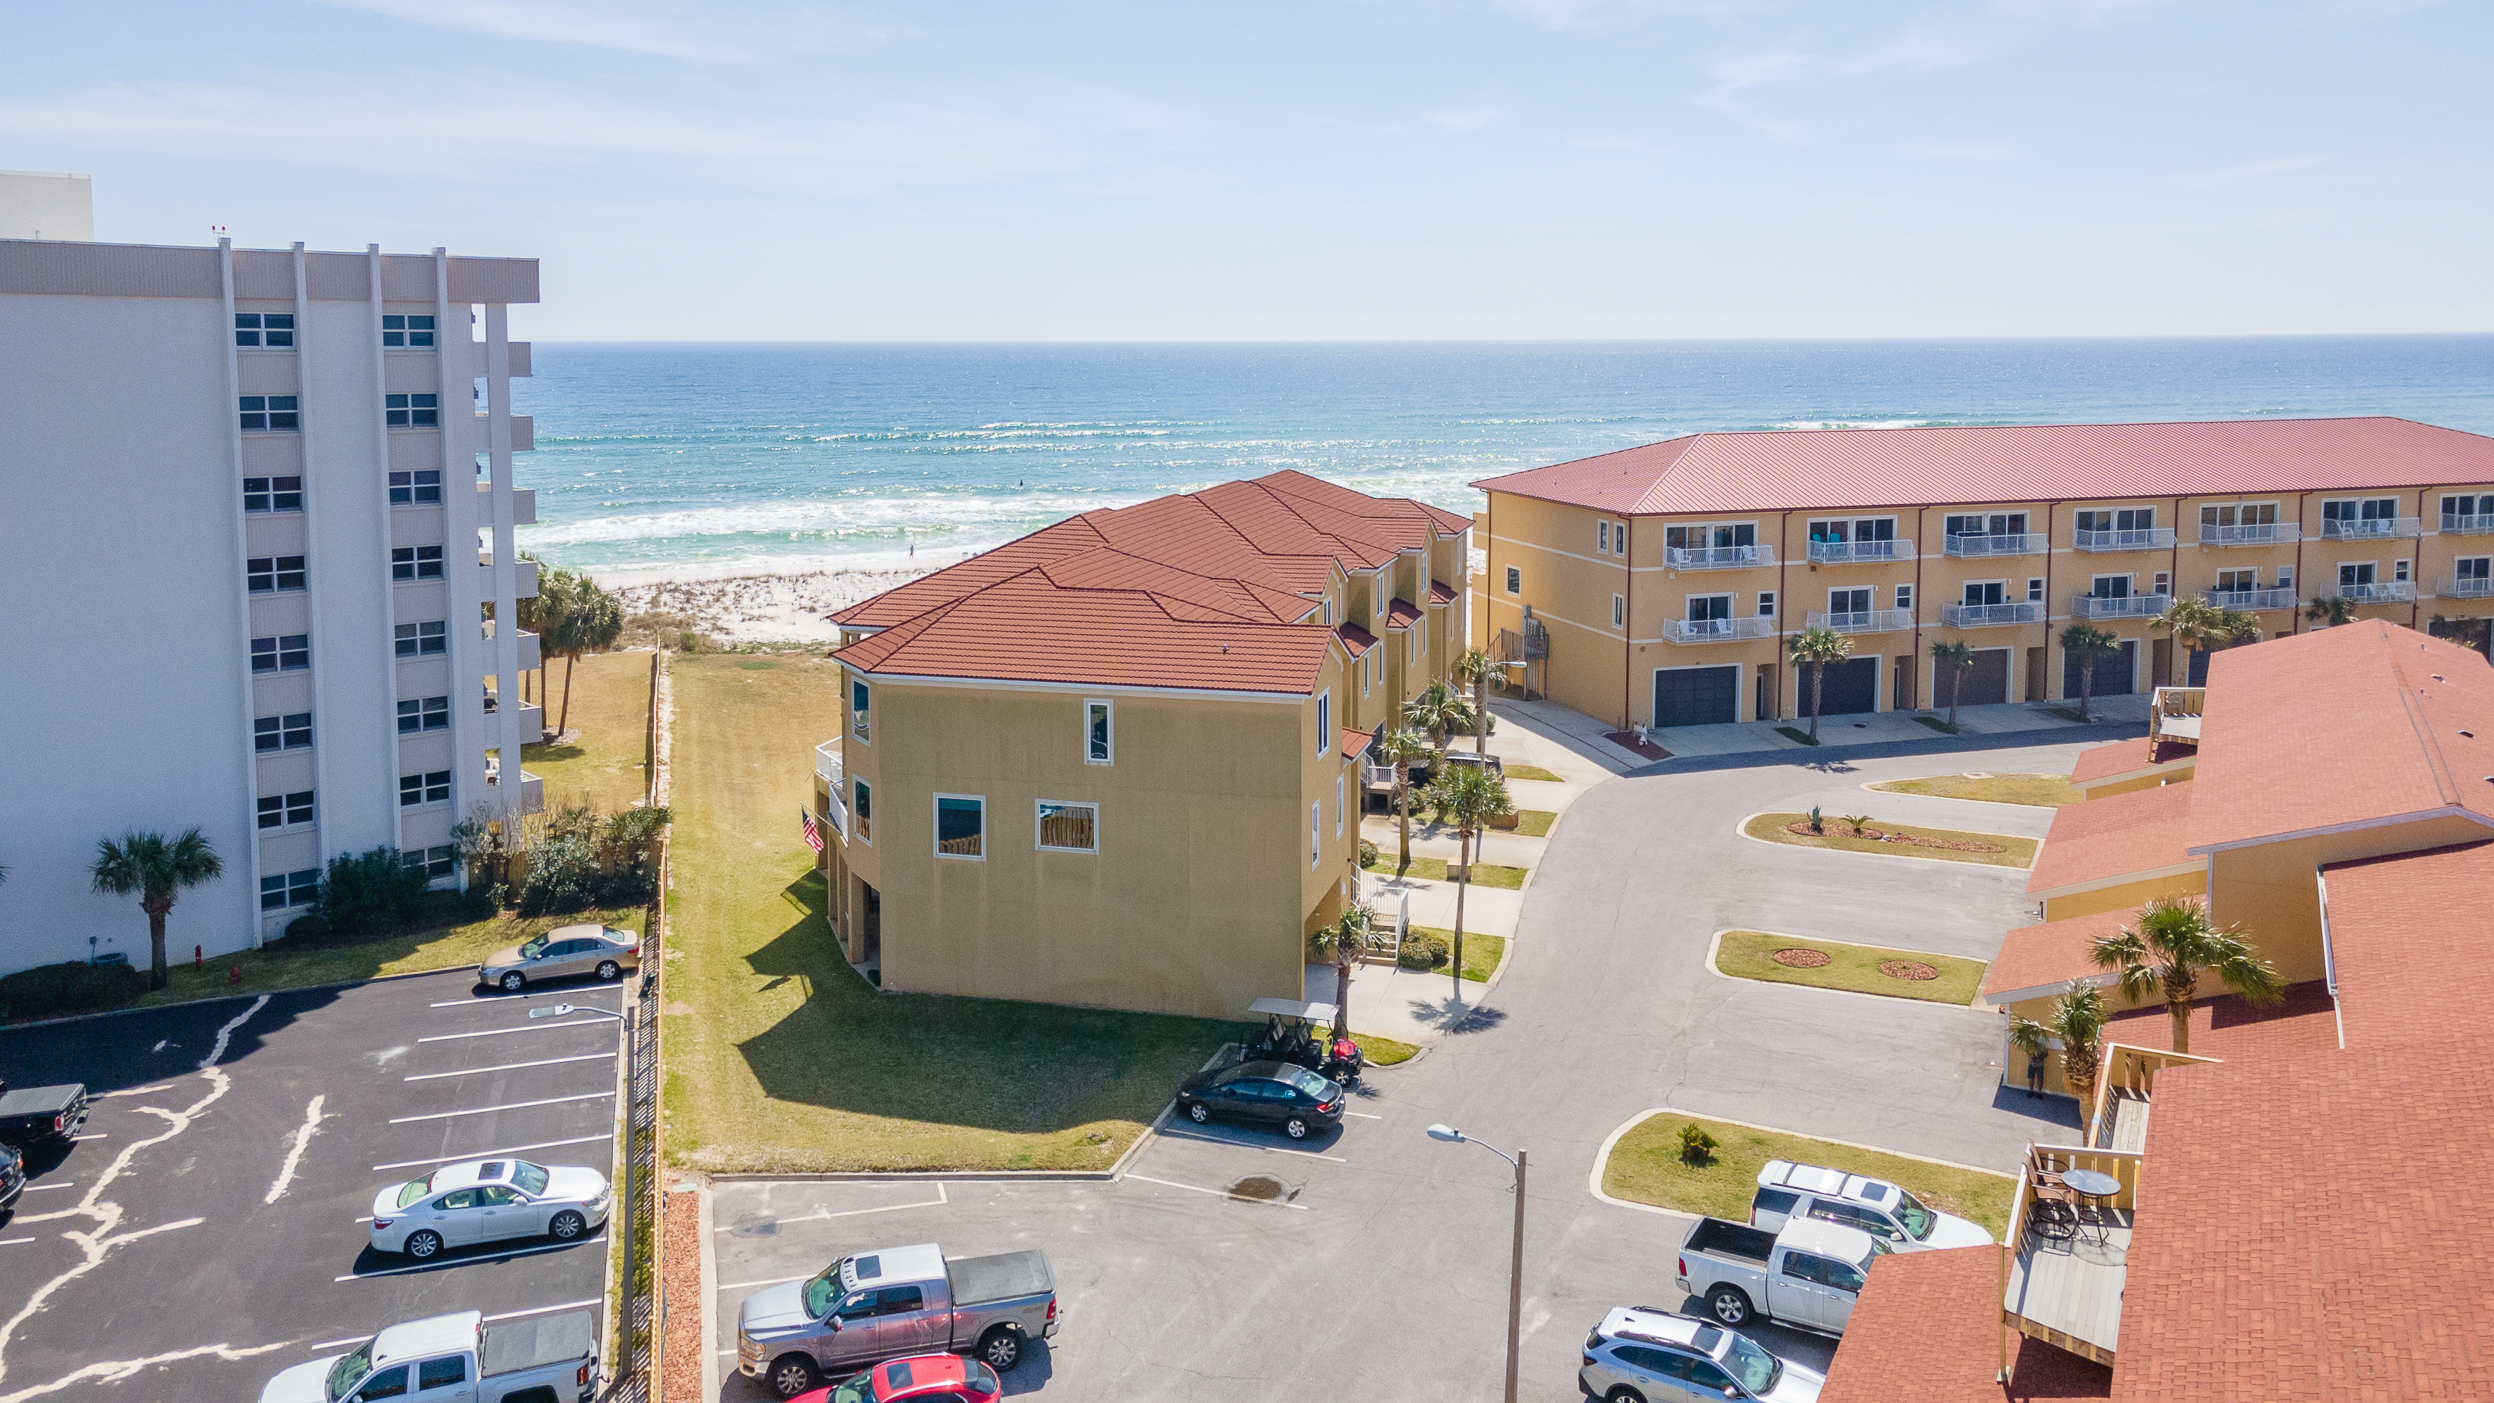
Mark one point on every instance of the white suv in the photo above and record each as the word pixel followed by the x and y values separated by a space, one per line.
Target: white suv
pixel 1787 1191
pixel 1642 1355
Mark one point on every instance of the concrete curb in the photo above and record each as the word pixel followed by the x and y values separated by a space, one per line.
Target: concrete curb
pixel 1714 944
pixel 1740 829
pixel 1602 1161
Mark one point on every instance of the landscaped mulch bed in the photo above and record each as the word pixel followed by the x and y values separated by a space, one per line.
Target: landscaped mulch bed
pixel 1907 969
pixel 680 1347
pixel 1798 958
pixel 1874 835
pixel 1784 958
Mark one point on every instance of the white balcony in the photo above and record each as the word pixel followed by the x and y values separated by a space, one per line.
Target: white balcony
pixel 2276 533
pixel 1718 557
pixel 2456 524
pixel 1992 615
pixel 2010 543
pixel 1859 552
pixel 2283 597
pixel 2152 538
pixel 523 576
pixel 2378 529
pixel 2132 606
pixel 2467 587
pixel 532 720
pixel 2385 592
pixel 523 432
pixel 827 763
pixel 1867 621
pixel 530 658
pixel 523 503
pixel 1716 630
pixel 532 787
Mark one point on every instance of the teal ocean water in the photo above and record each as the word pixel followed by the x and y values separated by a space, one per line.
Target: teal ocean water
pixel 715 458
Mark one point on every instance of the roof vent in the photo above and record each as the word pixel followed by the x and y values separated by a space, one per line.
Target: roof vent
pixel 2437 677
pixel 2469 734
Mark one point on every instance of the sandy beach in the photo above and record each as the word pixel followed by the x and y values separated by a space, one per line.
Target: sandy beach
pixel 760 608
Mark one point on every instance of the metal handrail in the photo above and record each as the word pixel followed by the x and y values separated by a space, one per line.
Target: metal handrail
pixel 2467 524
pixel 1992 615
pixel 1864 621
pixel 1716 630
pixel 2128 606
pixel 2468 587
pixel 2151 538
pixel 1857 552
pixel 2273 533
pixel 2282 597
pixel 1717 557
pixel 2379 592
pixel 2377 529
pixel 1998 543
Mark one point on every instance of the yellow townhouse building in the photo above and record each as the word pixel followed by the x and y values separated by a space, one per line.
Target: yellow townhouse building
pixel 1116 762
pixel 1656 586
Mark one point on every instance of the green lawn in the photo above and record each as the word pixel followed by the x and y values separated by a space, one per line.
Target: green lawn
pixel 1534 823
pixel 2041 791
pixel 1749 954
pixel 1512 770
pixel 781 1059
pixel 1383 1052
pixel 1481 953
pixel 2007 851
pixel 1433 869
pixel 1645 1167
pixel 602 765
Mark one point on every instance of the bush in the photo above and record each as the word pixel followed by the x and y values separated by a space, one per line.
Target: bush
pixel 374 892
pixel 1368 853
pixel 1696 1146
pixel 582 862
pixel 1422 950
pixel 73 987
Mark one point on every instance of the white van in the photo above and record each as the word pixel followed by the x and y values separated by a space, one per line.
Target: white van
pixel 1787 1191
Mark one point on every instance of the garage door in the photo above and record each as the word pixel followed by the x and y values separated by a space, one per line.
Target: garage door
pixel 1696 696
pixel 1847 687
pixel 2114 676
pixel 1985 684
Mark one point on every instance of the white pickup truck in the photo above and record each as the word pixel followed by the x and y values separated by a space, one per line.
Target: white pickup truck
pixel 457 1359
pixel 1807 1275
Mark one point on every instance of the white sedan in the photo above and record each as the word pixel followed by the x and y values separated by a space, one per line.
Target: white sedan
pixel 487 1200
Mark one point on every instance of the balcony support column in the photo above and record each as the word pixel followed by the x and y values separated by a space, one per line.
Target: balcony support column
pixel 1913 689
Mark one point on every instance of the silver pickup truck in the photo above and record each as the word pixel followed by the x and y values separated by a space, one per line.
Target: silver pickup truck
pixel 1807 1275
pixel 457 1359
pixel 898 1301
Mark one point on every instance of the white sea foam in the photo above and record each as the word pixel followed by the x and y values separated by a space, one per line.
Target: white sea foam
pixel 1857 424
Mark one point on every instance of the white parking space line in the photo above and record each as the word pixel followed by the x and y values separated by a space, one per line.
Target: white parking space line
pixel 1168 1134
pixel 335 1344
pixel 940 1200
pixel 1363 1115
pixel 489 1154
pixel 774 1281
pixel 515 998
pixel 39 1188
pixel 506 1106
pixel 13 1241
pixel 516 1066
pixel 82 1139
pixel 1217 1193
pixel 598 1236
pixel 142 1090
pixel 546 1310
pixel 540 1028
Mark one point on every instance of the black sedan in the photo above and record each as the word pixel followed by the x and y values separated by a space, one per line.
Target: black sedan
pixel 1270 1093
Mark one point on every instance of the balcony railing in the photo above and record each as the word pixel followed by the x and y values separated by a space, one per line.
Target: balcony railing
pixel 1716 630
pixel 2129 606
pixel 2174 713
pixel 2008 543
pixel 2460 524
pixel 2283 597
pixel 1718 557
pixel 827 764
pixel 1865 621
pixel 2275 533
pixel 2150 538
pixel 1992 615
pixel 2467 587
pixel 2383 592
pixel 1859 552
pixel 2378 529
pixel 2068 1264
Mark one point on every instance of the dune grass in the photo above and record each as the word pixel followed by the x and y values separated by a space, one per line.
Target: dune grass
pixel 1750 954
pixel 2040 791
pixel 1645 1167
pixel 2007 851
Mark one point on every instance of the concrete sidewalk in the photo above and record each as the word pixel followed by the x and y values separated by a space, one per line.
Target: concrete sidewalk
pixel 1585 737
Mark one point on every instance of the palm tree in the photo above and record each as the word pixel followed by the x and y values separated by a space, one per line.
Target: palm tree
pixel 1473 665
pixel 1953 657
pixel 1467 796
pixel 1402 748
pixel 2330 610
pixel 1438 711
pixel 1814 648
pixel 582 618
pixel 2172 946
pixel 1339 945
pixel 2088 645
pixel 2077 1019
pixel 2202 627
pixel 156 871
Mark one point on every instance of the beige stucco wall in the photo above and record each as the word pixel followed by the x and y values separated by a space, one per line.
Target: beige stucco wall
pixel 2269 889
pixel 2127 786
pixel 2115 898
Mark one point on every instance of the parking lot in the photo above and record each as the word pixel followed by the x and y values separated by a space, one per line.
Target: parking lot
pixel 209 1228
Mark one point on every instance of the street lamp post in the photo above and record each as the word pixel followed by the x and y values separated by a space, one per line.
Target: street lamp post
pixel 1515 1269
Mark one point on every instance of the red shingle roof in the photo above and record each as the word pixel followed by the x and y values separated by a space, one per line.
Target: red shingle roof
pixel 2229 1028
pixel 2385 706
pixel 1440 592
pixel 1806 469
pixel 2114 836
pixel 2049 956
pixel 1928 1329
pixel 2097 764
pixel 2398 927
pixel 1401 613
pixel 1355 640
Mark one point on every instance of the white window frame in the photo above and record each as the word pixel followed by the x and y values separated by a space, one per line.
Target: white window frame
pixel 1964 602
pixel 1338 806
pixel 403 327
pixel 862 810
pixel 1619 611
pixel 1905 596
pixel 935 827
pixel 1377 596
pixel 286 810
pixel 2162 582
pixel 1515 580
pixel 2402 571
pixel 1316 834
pixel 424 788
pixel 2034 589
pixel 861 718
pixel 1766 604
pixel 2286 577
pixel 1366 666
pixel 1108 710
pixel 1038 831
pixel 1324 720
pixel 1869 595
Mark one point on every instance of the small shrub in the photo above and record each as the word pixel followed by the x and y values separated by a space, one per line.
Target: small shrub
pixel 1424 951
pixel 1696 1146
pixel 1856 822
pixel 47 991
pixel 1368 853
pixel 562 875
pixel 1817 825
pixel 373 892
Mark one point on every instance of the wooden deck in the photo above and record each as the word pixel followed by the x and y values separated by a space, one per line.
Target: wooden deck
pixel 2070 1293
pixel 2130 1121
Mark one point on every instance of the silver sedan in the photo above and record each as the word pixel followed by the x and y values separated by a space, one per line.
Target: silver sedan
pixel 485 1201
pixel 597 950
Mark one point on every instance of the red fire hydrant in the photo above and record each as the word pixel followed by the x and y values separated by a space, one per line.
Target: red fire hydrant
pixel 199 959
pixel 234 975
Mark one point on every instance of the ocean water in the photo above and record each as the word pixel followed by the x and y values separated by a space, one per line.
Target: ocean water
pixel 716 459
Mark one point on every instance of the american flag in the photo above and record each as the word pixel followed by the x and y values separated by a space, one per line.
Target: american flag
pixel 813 830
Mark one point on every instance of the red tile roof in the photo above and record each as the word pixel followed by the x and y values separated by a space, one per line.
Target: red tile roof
pixel 2392 925
pixel 1355 640
pixel 1401 613
pixel 2114 836
pixel 1928 1329
pixel 2050 955
pixel 2389 709
pixel 1807 469
pixel 1355 744
pixel 1440 592
pixel 2100 763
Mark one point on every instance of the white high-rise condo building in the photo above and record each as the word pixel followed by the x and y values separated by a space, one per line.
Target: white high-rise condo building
pixel 256 573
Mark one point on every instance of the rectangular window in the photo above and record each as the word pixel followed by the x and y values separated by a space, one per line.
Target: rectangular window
pixel 1338 806
pixel 2109 587
pixel 1704 608
pixel 272 494
pixel 1099 733
pixel 1069 828
pixel 2286 577
pixel 1849 601
pixel 1602 537
pixel 415 563
pixel 2235 581
pixel 2398 570
pixel 421 640
pixel 432 862
pixel 2164 582
pixel 266 414
pixel 1876 528
pixel 292 731
pixel 1766 604
pixel 1619 611
pixel 423 714
pixel 2365 509
pixel 264 329
pixel 288 652
pixel 861 710
pixel 2360 574
pixel 2475 568
pixel 408 489
pixel 2034 590
pixel 285 810
pixel 1987 524
pixel 2240 514
pixel 1977 593
pixel 1316 822
pixel 267 574
pixel 960 826
pixel 863 805
pixel 1377 597
pixel 1515 580
pixel 280 890
pixel 431 787
pixel 411 411
pixel 1905 596
pixel 406 333
pixel 1324 722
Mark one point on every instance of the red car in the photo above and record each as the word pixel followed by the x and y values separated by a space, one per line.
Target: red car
pixel 921 1378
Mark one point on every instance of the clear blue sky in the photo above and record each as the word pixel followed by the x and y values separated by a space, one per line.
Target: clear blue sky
pixel 1279 170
